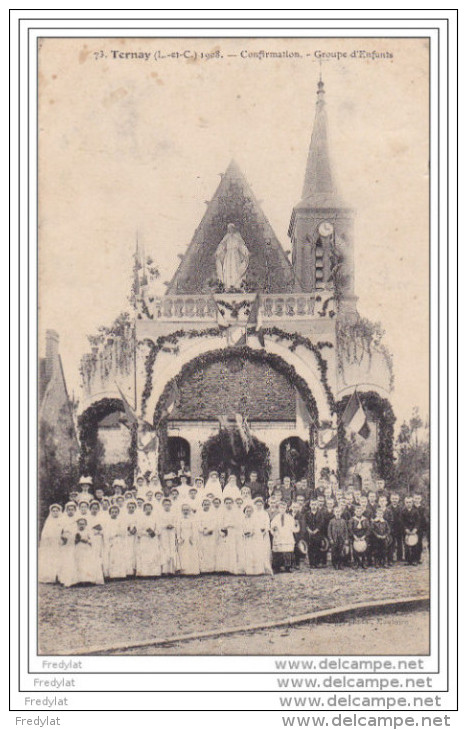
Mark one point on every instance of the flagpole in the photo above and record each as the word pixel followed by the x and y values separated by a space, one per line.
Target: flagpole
pixel 134 366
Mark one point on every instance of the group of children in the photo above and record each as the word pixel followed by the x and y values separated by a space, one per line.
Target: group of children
pixel 361 529
pixel 214 527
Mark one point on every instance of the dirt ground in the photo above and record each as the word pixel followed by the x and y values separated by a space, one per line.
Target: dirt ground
pixel 398 633
pixel 84 617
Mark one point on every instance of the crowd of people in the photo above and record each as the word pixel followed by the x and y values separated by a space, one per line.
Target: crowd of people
pixel 225 525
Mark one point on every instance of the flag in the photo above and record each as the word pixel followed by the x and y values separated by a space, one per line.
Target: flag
pixel 171 402
pixel 131 416
pixel 236 336
pixel 332 444
pixel 172 399
pixel 151 445
pixel 302 418
pixel 354 417
pixel 244 430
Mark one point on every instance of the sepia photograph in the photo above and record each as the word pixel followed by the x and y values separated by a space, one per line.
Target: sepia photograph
pixel 233 375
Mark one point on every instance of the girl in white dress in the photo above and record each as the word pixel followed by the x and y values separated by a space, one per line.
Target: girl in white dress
pixel 50 546
pixel 187 541
pixel 217 510
pixel 207 531
pixel 67 550
pixel 169 555
pixel 114 545
pixel 130 518
pixel 231 488
pixel 251 559
pixel 213 485
pixel 193 499
pixel 96 526
pixel 230 530
pixel 148 551
pixel 88 568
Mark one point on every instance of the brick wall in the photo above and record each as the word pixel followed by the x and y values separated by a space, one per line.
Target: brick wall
pixel 253 389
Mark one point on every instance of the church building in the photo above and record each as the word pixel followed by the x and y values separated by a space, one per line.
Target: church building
pixel 255 358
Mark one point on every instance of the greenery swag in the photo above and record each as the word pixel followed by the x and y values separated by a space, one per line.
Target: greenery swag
pixel 173 338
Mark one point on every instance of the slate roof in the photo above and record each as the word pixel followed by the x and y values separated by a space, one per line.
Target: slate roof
pixel 234 202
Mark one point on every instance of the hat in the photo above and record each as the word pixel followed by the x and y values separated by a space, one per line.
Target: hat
pixel 85 480
pixel 302 546
pixel 119 483
pixel 170 475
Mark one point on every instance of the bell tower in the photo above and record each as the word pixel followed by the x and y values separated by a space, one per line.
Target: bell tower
pixel 321 224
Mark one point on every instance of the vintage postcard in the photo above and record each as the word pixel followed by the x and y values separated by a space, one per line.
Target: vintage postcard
pixel 234 483
pixel 233 375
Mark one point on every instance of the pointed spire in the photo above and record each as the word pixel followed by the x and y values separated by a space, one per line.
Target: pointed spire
pixel 318 186
pixel 136 268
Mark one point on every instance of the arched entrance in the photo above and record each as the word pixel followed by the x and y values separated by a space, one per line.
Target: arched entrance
pixel 272 432
pixel 98 426
pixel 294 456
pixel 226 452
pixel 179 451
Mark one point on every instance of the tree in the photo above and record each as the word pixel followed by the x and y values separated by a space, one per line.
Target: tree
pixel 225 452
pixel 413 456
pixel 56 479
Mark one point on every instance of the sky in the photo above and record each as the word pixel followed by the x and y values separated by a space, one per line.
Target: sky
pixel 133 147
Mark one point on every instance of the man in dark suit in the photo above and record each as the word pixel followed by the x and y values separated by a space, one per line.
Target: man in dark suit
pixel 257 488
pixel 410 519
pixel 422 512
pixel 313 522
pixel 392 514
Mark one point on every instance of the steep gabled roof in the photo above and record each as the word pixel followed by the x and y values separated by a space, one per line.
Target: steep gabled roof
pixel 234 202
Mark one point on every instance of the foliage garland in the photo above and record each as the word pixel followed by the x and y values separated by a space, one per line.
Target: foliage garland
pixel 88 423
pixel 154 349
pixel 360 337
pixel 382 410
pixel 234 308
pixel 173 338
pixel 301 341
pixel 229 443
pixel 113 347
pixel 224 355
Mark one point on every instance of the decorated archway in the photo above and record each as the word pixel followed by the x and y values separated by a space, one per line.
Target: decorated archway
pixel 161 412
pixel 163 359
pixel 89 462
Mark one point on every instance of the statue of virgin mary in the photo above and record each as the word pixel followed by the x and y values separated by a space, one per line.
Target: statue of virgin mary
pixel 232 258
